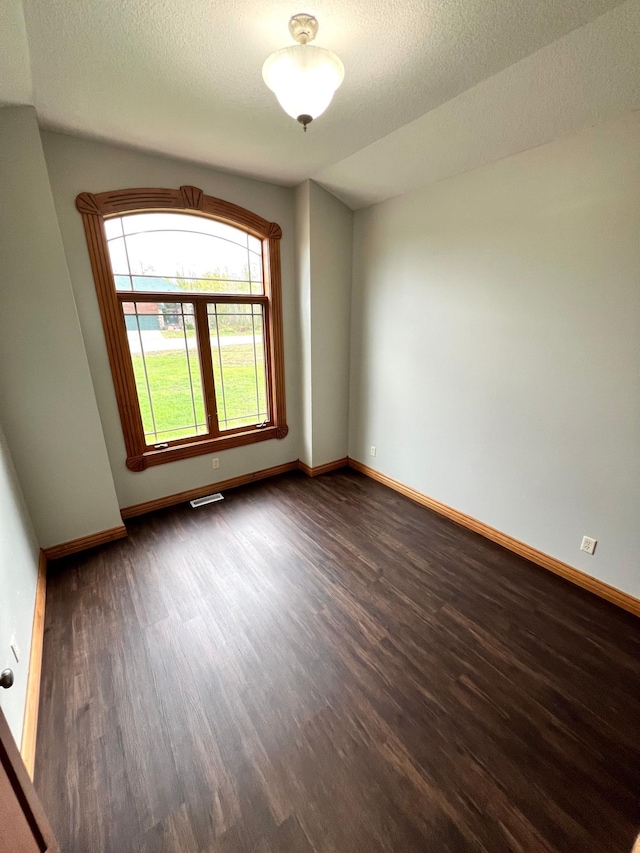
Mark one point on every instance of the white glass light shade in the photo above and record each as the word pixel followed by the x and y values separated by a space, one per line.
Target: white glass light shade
pixel 304 78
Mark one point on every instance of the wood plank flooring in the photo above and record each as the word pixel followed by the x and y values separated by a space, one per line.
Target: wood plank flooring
pixel 322 666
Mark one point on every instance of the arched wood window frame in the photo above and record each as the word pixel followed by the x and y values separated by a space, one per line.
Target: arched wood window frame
pixel 95 209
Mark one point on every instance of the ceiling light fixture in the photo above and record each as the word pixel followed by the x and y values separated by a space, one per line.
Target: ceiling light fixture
pixel 303 76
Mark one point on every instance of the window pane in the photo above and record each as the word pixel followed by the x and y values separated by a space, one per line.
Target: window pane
pixel 238 353
pixel 255 272
pixel 162 342
pixel 143 222
pixel 174 252
pixel 255 245
pixel 148 284
pixel 113 228
pixel 118 255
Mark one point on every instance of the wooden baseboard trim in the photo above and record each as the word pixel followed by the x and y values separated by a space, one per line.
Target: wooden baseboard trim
pixel 598 587
pixel 30 725
pixel 201 491
pixel 323 469
pixel 75 545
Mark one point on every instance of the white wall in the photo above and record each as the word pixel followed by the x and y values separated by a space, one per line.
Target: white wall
pixel 19 554
pixel 324 228
pixel 331 243
pixel 47 403
pixel 496 345
pixel 78 165
pixel 303 281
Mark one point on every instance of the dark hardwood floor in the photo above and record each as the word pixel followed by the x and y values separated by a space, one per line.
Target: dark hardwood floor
pixel 322 665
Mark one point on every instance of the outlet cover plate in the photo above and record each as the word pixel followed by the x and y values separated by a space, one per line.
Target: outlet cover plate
pixel 588 544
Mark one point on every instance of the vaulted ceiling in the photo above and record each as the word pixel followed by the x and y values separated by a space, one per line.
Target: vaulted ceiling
pixel 185 79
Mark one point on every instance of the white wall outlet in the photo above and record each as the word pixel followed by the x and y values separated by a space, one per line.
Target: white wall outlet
pixel 372 450
pixel 15 649
pixel 216 463
pixel 588 544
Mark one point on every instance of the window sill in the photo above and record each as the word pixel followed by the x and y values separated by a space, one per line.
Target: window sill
pixel 152 457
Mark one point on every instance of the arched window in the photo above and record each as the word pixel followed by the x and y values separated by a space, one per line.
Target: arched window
pixel 189 291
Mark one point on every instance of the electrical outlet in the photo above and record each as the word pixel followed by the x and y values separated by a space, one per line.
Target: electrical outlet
pixel 372 451
pixel 216 463
pixel 15 649
pixel 588 544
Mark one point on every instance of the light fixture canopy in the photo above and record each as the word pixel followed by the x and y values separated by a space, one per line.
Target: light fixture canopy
pixel 303 77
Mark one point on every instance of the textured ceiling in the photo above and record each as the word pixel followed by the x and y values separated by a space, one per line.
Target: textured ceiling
pixel 184 78
pixel 15 70
pixel 588 76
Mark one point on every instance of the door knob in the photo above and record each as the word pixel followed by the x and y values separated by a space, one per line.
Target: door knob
pixel 6 678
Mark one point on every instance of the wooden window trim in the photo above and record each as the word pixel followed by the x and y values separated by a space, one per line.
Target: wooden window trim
pixel 95 208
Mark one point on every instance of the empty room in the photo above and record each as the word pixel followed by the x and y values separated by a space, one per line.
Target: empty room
pixel 320 426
